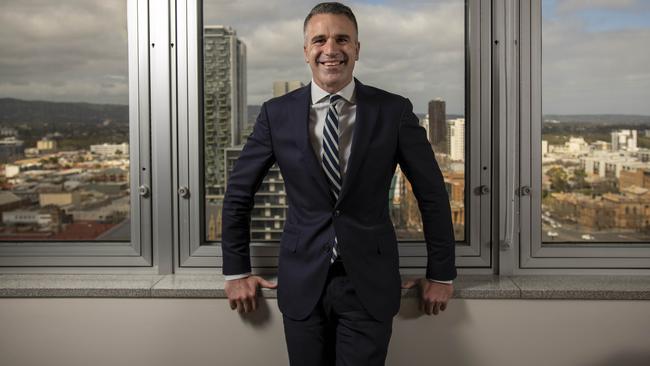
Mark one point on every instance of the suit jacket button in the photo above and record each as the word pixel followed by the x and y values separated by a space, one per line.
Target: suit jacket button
pixel 337 213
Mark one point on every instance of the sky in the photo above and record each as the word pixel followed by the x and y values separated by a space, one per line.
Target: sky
pixel 68 50
pixel 420 57
pixel 593 55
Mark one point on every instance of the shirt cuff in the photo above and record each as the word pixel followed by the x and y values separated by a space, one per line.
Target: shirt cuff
pixel 237 276
pixel 447 282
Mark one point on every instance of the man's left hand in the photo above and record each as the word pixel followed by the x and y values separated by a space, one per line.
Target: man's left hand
pixel 434 296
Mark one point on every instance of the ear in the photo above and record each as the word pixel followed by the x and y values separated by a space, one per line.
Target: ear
pixel 304 50
pixel 358 50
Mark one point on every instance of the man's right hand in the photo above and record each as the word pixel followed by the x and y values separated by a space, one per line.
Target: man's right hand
pixel 242 293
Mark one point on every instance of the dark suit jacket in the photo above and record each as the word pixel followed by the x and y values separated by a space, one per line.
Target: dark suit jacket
pixel 386 133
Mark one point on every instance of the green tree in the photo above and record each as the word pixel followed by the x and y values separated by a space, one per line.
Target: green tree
pixel 558 177
pixel 579 179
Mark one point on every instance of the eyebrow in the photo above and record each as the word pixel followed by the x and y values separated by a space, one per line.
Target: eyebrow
pixel 315 38
pixel 337 36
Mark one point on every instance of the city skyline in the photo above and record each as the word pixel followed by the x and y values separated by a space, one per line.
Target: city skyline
pixel 560 159
pixel 249 56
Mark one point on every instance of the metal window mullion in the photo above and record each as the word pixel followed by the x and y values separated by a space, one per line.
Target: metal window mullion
pixel 161 187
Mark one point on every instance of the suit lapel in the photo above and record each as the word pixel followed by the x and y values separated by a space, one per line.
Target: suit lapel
pixel 300 118
pixel 367 113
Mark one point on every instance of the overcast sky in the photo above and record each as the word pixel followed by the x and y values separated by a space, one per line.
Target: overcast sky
pixel 68 50
pixel 416 51
pixel 595 57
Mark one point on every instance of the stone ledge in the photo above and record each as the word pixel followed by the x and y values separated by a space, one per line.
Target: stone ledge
pixel 211 286
pixel 584 287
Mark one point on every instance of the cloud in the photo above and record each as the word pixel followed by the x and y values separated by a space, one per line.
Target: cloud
pixel 569 6
pixel 420 55
pixel 76 50
pixel 72 50
pixel 586 72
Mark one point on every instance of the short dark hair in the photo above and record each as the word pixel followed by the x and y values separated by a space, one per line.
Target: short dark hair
pixel 331 8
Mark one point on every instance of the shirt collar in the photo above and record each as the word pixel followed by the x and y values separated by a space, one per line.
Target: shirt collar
pixel 317 94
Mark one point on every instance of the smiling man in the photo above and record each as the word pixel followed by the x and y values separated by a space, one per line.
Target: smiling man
pixel 331 48
pixel 337 143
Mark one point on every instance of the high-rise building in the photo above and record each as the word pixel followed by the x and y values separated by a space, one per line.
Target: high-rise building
pixel 457 139
pixel 269 210
pixel 282 87
pixel 10 148
pixel 438 125
pixel 624 140
pixel 224 102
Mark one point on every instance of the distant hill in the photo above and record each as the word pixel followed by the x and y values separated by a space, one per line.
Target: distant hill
pixel 600 119
pixel 67 115
pixel 16 111
pixel 77 125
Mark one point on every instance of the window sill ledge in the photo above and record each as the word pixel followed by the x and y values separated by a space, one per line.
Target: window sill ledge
pixel 584 287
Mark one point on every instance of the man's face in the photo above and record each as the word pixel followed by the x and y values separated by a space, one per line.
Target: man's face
pixel 331 49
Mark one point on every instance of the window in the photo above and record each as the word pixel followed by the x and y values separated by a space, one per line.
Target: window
pixel 248 53
pixel 595 86
pixel 554 92
pixel 588 119
pixel 70 134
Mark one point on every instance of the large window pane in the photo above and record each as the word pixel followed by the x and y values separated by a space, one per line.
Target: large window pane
pixel 64 126
pixel 253 52
pixel 596 121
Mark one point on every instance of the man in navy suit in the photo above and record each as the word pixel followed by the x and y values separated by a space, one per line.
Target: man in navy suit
pixel 337 143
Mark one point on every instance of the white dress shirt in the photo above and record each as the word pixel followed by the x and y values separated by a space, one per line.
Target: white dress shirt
pixel 347 117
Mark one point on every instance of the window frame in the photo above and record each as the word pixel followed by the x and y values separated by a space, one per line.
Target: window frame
pixel 503 104
pixel 534 256
pixel 475 254
pixel 25 256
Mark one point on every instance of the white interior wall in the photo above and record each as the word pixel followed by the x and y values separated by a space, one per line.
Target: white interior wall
pixel 161 332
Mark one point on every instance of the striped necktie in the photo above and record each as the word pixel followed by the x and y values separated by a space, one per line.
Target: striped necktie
pixel 331 155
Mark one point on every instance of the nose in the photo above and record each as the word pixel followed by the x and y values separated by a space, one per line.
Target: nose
pixel 331 47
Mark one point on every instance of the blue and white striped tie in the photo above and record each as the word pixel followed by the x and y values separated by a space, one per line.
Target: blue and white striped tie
pixel 331 155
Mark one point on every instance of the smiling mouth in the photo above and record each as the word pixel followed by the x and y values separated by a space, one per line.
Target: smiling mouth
pixel 331 63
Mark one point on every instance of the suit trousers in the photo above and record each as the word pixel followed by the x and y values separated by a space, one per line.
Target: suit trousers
pixel 339 331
